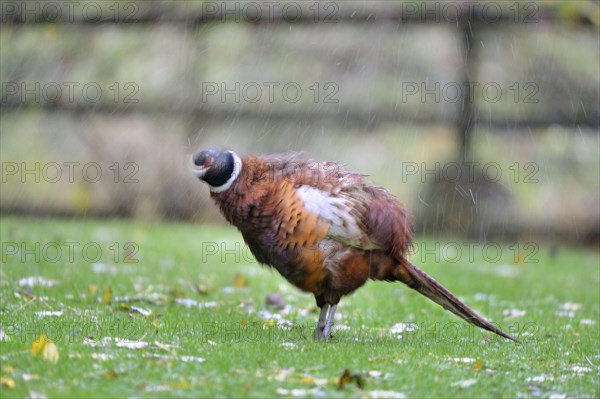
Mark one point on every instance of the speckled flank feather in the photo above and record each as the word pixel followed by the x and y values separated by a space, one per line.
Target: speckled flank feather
pixel 326 230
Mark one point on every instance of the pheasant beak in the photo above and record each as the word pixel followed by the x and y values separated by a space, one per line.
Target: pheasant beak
pixel 203 162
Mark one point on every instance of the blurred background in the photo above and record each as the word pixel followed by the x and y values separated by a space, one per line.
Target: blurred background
pixel 481 116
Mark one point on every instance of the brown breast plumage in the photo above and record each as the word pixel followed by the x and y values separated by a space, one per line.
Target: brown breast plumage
pixel 324 229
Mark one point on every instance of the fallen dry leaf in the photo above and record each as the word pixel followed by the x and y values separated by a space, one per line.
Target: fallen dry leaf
pixel 50 353
pixel 38 345
pixel 177 293
pixel 240 282
pixel 45 347
pixel 111 375
pixel 7 382
pixel 307 380
pixel 155 323
pixel 203 289
pixel 92 289
pixel 107 295
pixel 348 378
pixel 478 365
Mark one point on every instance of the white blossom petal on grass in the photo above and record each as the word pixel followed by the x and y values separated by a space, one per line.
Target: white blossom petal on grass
pixel 400 328
pixel 192 359
pixel 104 268
pixel 130 344
pixel 510 313
pixel 275 319
pixel 565 313
pixel 143 312
pixel 187 302
pixel 190 303
pixel 37 395
pixel 282 374
pixel 289 345
pixel 321 382
pixel 507 270
pixel 571 306
pixel 341 327
pixel 102 357
pixel 463 360
pixel 182 358
pixel 93 343
pixel 38 281
pixel 165 347
pixel 119 342
pixel 540 378
pixel 3 336
pixel 265 314
pixel 30 377
pixel 49 313
pixel 481 296
pixel 525 334
pixel 581 369
pixel 300 393
pixel 382 394
pixel 159 388
pixel 588 322
pixel 464 383
pixel 568 309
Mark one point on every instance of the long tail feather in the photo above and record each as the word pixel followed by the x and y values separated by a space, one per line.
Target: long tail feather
pixel 418 280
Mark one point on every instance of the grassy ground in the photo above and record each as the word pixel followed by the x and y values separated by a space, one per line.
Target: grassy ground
pixel 180 311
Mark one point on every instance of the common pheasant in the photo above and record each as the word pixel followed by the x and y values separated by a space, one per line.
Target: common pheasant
pixel 325 229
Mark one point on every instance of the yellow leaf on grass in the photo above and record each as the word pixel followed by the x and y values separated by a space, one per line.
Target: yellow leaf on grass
pixel 50 353
pixel 202 289
pixel 111 375
pixel 177 293
pixel 307 380
pixel 107 295
pixel 155 323
pixel 240 282
pixel 38 345
pixel 270 323
pixel 44 347
pixel 92 289
pixel 180 385
pixel 478 365
pixel 7 382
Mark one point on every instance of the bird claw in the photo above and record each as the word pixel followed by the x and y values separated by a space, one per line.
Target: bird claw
pixel 320 335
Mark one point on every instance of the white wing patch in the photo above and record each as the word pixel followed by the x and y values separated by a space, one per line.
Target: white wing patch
pixel 337 211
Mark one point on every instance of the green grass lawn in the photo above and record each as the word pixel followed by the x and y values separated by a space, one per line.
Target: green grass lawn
pixel 146 310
